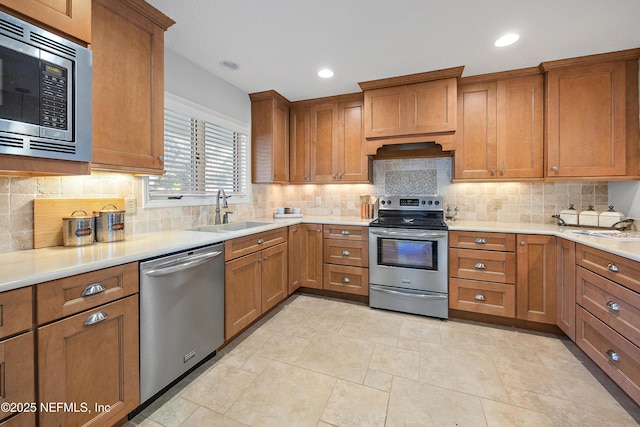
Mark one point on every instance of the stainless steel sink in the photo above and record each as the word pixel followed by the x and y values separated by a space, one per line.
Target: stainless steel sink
pixel 225 228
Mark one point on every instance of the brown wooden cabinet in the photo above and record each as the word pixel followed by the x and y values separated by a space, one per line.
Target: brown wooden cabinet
pixel 500 126
pixel 256 277
pixel 67 18
pixel 128 86
pixel 269 137
pixel 566 287
pixel 346 259
pixel 88 350
pixel 17 376
pixel 536 278
pixel 591 110
pixel 326 141
pixel 311 256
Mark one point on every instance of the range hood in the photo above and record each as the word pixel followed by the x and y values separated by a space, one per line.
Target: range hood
pixel 410 150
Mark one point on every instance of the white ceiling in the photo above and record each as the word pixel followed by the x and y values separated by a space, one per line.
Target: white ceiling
pixel 281 44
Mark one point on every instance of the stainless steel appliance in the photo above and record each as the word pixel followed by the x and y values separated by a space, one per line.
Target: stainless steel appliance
pixel 408 251
pixel 45 93
pixel 181 315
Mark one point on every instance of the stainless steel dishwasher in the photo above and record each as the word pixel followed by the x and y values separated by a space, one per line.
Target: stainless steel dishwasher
pixel 181 314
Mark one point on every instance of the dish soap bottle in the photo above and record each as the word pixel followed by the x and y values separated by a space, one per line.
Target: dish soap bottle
pixel 589 217
pixel 569 216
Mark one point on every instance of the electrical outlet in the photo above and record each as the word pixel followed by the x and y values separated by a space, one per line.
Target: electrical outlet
pixel 318 200
pixel 130 205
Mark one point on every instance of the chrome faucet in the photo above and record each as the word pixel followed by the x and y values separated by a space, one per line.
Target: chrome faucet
pixel 224 204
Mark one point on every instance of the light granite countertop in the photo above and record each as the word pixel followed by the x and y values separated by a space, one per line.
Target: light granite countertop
pixel 23 268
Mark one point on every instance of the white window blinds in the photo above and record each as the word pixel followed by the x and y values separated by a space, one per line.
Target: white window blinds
pixel 199 158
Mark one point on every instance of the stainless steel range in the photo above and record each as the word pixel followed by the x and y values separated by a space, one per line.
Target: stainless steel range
pixel 408 248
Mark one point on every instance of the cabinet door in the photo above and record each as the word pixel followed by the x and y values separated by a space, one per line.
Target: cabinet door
pixel 90 359
pixel 353 164
pixel 431 107
pixel 17 373
pixel 242 297
pixel 536 280
pixel 128 89
pixel 520 127
pixel 294 258
pixel 280 142
pixel 566 287
pixel 476 137
pixel 585 114
pixel 274 276
pixel 385 112
pixel 324 142
pixel 299 144
pixel 72 17
pixel 311 256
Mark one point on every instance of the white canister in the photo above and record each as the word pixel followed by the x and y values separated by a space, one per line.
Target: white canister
pixel 610 217
pixel 589 217
pixel 569 216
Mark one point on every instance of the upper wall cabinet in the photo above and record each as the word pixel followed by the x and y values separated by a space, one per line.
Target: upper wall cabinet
pixel 415 108
pixel 128 86
pixel 269 137
pixel 500 126
pixel 591 111
pixel 69 17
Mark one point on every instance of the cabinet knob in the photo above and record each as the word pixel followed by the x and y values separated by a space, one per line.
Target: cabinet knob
pixel 161 158
pixel 493 171
pixel 265 258
pixel 480 297
pixel 260 241
pixel 345 280
pixel 481 241
pixel 346 253
pixel 613 268
pixel 613 355
pixel 554 168
pixel 502 171
pixel 333 175
pixel 523 243
pixel 481 266
pixel 613 306
pixel 340 175
pixel 319 230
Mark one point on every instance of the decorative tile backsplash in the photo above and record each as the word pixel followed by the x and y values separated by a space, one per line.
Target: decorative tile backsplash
pixel 532 202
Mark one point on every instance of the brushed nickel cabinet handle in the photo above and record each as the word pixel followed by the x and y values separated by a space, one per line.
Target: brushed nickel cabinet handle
pixel 481 266
pixel 493 171
pixel 523 243
pixel 260 241
pixel 554 168
pixel 92 289
pixel 480 297
pixel 613 306
pixel 613 355
pixel 345 232
pixel 481 241
pixel 96 318
pixel 346 253
pixel 613 268
pixel 345 280
pixel 502 171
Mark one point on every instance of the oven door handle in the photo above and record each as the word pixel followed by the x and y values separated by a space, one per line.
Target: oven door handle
pixel 413 294
pixel 413 235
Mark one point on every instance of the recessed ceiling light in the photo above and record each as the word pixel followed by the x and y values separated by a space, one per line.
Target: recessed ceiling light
pixel 506 40
pixel 325 73
pixel 229 65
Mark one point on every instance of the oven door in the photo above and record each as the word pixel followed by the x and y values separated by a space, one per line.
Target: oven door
pixel 409 258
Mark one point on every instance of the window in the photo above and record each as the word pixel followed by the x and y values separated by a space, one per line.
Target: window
pixel 204 151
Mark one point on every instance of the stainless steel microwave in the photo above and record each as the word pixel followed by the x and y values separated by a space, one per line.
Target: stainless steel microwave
pixel 45 93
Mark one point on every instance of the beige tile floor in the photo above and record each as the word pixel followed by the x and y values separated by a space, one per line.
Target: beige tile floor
pixel 323 362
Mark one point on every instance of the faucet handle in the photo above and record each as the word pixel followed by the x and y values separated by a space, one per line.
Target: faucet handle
pixel 225 217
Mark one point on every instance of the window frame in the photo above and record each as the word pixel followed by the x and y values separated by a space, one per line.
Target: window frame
pixel 184 106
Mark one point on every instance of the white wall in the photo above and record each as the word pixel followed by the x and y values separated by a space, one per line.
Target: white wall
pixel 187 80
pixel 625 197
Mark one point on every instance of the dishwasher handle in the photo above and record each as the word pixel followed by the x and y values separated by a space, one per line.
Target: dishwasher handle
pixel 182 264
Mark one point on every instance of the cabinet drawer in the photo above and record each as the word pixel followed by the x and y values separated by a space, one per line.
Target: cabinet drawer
pixel 602 344
pixel 346 232
pixel 16 311
pixel 342 278
pixel 613 267
pixel 615 305
pixel 70 295
pixel 242 246
pixel 497 299
pixel 480 240
pixel 490 266
pixel 346 252
pixel 17 380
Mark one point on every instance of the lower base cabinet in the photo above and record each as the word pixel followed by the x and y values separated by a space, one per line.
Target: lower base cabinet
pixel 90 362
pixel 24 419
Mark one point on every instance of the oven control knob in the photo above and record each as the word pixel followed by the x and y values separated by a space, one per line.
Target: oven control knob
pixel 437 202
pixel 383 202
pixel 423 202
pixel 430 202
